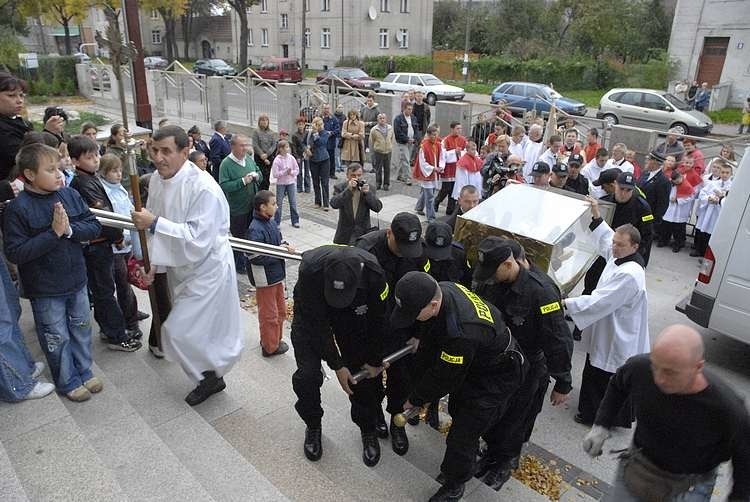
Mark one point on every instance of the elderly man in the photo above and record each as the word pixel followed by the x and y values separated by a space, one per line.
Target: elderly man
pixel 239 177
pixel 618 159
pixel 187 218
pixel 671 146
pixel 468 198
pixel 689 422
pixel 614 317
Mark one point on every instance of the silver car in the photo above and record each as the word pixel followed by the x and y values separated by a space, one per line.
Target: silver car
pixel 652 109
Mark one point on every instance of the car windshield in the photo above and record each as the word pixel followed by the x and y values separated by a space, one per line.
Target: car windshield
pixel 356 73
pixel 431 80
pixel 676 102
pixel 551 92
pixel 218 62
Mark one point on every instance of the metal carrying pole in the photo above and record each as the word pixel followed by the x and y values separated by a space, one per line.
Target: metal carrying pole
pixel 403 352
pixel 400 419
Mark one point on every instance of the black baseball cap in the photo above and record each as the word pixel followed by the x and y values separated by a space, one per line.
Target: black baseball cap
pixel 560 169
pixel 607 176
pixel 413 292
pixel 540 167
pixel 626 180
pixel 341 275
pixel 438 238
pixel 407 230
pixel 576 158
pixel 492 251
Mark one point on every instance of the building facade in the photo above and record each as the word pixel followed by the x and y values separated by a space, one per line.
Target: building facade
pixel 711 42
pixel 336 29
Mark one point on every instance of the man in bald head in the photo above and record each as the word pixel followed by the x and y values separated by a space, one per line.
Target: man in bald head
pixel 689 422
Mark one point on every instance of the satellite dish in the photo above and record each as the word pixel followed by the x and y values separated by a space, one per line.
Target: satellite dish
pixel 372 13
pixel 399 36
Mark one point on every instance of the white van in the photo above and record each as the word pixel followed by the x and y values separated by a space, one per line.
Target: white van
pixel 720 299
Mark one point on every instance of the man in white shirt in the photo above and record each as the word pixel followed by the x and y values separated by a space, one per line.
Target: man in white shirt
pixel 533 150
pixel 550 155
pixel 614 317
pixel 594 168
pixel 618 159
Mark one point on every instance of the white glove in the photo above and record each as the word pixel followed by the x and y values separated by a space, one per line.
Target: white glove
pixel 594 440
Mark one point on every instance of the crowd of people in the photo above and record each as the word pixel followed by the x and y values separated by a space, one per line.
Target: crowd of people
pixel 489 335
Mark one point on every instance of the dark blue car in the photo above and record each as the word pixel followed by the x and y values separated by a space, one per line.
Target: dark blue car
pixel 526 96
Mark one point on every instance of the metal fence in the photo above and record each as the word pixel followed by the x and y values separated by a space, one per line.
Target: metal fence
pixel 248 96
pixel 182 95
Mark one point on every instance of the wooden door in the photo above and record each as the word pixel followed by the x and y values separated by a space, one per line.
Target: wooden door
pixel 712 59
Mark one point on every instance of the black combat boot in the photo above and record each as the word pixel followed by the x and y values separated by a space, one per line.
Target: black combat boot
pixel 449 492
pixel 207 387
pixel 399 441
pixel 381 428
pixel 370 449
pixel 313 447
pixel 499 474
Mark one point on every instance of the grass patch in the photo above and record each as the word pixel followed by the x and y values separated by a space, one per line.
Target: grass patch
pixel 726 116
pixel 74 126
pixel 587 97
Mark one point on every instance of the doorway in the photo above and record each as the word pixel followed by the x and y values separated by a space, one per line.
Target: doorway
pixel 711 62
pixel 206 49
pixel 285 50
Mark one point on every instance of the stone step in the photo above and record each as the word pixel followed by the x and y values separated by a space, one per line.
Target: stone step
pixel 10 486
pixel 155 389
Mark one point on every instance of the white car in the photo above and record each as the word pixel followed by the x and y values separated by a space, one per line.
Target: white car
pixel 433 88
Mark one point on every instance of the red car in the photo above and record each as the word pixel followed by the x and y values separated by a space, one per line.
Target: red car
pixel 281 69
pixel 354 77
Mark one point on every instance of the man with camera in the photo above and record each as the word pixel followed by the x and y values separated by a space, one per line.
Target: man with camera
pixel 496 173
pixel 354 198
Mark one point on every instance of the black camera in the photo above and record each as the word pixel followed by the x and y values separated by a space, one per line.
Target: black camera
pixel 361 183
pixel 499 168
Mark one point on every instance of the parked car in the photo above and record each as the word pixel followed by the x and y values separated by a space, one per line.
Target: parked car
pixel 653 110
pixel 526 96
pixel 353 77
pixel 433 87
pixel 155 63
pixel 214 67
pixel 281 69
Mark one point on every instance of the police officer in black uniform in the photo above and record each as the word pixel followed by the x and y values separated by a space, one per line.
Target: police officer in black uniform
pixel 630 207
pixel 339 317
pixel 447 257
pixel 475 359
pixel 576 182
pixel 531 306
pixel 398 250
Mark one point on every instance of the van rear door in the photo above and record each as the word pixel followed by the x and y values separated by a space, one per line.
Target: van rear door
pixel 731 313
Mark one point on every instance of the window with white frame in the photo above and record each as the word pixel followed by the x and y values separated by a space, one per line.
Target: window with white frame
pixel 404 42
pixel 264 6
pixel 250 37
pixel 285 21
pixel 156 36
pixel 325 38
pixel 383 38
pixel 325 5
pixel 264 37
pixel 308 36
pixel 404 6
pixel 154 14
pixel 384 4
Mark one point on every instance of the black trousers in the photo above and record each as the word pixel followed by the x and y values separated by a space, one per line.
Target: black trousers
pixel 238 225
pixel 507 436
pixel 308 378
pixel 320 172
pixel 672 230
pixel 101 282
pixel 125 296
pixel 474 408
pixel 594 383
pixel 163 307
pixel 381 164
pixel 446 189
pixel 701 241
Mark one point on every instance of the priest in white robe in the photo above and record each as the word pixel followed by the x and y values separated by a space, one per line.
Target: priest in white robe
pixel 614 317
pixel 187 219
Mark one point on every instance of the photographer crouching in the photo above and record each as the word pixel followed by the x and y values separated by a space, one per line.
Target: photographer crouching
pixel 496 173
pixel 354 198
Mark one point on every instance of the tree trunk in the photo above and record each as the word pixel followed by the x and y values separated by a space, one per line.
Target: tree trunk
pixel 243 36
pixel 68 45
pixel 186 21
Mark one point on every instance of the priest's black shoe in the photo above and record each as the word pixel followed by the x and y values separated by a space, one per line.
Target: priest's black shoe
pixel 209 386
pixel 381 428
pixel 580 419
pixel 370 449
pixel 485 464
pixel 399 441
pixel 313 446
pixel 448 493
pixel 499 473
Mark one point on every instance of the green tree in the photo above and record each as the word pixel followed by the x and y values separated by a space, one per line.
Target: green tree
pixel 63 12
pixel 170 11
pixel 10 46
pixel 194 9
pixel 241 6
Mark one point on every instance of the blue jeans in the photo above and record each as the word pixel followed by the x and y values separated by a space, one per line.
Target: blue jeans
pixel 100 271
pixel 16 364
pixel 426 202
pixel 291 192
pixel 700 493
pixel 63 327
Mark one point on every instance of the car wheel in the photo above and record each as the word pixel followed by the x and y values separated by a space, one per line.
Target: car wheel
pixel 431 99
pixel 610 119
pixel 681 128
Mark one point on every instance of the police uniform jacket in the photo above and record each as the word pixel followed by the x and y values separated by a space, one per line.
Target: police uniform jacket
pixel 472 348
pixel 637 212
pixel 579 185
pixel 455 269
pixel 533 311
pixel 357 328
pixel 656 191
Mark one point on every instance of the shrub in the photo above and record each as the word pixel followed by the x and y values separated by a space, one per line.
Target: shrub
pixel 56 76
pixel 375 65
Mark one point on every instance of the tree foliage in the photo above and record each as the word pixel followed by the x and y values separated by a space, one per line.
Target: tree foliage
pixel 170 11
pixel 627 30
pixel 62 12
